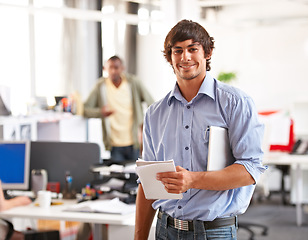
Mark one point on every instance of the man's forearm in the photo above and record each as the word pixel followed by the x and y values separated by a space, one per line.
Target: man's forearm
pixel 144 215
pixel 230 177
pixel 233 176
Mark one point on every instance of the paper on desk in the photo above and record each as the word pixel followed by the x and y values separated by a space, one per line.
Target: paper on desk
pixel 154 189
pixel 113 183
pixel 114 206
pixel 108 169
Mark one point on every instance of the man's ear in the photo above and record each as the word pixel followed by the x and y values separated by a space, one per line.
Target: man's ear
pixel 170 62
pixel 209 55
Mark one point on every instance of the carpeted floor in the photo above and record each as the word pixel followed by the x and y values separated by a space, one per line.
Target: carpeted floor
pixel 280 220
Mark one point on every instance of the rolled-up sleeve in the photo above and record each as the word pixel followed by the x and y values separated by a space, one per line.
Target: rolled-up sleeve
pixel 246 135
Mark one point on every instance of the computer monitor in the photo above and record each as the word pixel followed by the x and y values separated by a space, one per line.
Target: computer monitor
pixel 59 157
pixel 14 165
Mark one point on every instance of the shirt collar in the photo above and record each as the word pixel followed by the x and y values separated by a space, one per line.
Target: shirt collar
pixel 175 93
pixel 206 88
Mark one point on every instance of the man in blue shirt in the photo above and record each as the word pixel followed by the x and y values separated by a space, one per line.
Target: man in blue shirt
pixel 176 128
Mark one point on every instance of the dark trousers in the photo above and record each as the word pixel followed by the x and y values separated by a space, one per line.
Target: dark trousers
pixel 166 232
pixel 120 154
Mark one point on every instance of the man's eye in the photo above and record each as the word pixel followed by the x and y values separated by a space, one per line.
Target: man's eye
pixel 193 49
pixel 177 51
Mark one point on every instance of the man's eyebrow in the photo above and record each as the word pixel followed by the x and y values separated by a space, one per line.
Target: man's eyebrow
pixel 190 45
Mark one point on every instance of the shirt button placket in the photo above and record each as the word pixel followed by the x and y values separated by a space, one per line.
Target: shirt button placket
pixel 187 123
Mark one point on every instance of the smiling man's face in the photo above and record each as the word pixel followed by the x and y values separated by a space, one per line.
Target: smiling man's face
pixel 188 60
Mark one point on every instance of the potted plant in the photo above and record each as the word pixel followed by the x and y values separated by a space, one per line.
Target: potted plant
pixel 226 77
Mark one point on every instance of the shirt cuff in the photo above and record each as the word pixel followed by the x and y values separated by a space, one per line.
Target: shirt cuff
pixel 253 167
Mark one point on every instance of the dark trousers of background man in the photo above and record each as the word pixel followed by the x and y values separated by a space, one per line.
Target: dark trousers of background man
pixel 120 154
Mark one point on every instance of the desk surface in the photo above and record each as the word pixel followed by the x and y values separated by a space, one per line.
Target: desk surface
pixel 281 158
pixel 56 212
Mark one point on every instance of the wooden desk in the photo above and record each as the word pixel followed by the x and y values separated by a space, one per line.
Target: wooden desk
pixel 279 158
pixel 57 212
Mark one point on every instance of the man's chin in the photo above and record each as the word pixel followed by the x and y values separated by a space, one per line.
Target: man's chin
pixel 115 78
pixel 188 76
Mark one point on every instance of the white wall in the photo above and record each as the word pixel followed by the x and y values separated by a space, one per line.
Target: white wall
pixel 270 60
pixel 153 70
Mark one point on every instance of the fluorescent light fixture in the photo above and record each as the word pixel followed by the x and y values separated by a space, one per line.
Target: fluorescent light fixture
pixel 108 9
pixel 143 13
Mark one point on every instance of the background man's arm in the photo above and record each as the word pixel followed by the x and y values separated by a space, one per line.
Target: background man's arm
pixel 91 105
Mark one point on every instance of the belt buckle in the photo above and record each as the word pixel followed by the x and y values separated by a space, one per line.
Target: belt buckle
pixel 180 224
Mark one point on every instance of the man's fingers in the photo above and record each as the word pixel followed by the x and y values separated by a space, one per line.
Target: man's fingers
pixel 174 181
pixel 171 188
pixel 169 175
pixel 162 175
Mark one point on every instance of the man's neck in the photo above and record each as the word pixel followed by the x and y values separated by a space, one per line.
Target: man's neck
pixel 189 88
pixel 117 82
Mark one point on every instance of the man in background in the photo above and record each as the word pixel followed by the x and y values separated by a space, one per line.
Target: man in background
pixel 117 100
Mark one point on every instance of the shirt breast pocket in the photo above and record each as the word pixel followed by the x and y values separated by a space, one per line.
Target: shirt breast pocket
pixel 205 135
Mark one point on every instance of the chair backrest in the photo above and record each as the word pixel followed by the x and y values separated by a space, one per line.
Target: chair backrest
pixel 6 229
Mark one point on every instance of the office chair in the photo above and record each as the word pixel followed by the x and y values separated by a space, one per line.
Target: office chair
pixel 6 229
pixel 250 226
pixel 261 190
pixel 7 232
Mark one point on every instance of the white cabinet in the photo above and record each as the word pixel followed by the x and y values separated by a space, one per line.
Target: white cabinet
pixel 61 127
pixel 14 128
pixel 69 129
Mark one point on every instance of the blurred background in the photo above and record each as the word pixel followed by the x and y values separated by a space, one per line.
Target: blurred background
pixel 57 47
pixel 52 53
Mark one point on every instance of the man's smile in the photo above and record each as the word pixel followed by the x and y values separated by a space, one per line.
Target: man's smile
pixel 186 66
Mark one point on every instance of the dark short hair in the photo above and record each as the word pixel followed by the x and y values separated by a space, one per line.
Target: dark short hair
pixel 115 58
pixel 185 30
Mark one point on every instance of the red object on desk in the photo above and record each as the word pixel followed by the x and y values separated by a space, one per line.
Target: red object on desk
pixel 289 146
pixel 53 187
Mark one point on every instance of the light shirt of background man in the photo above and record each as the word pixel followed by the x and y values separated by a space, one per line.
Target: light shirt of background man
pixel 121 121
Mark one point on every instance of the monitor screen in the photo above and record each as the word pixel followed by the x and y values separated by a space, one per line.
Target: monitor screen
pixel 14 165
pixel 59 157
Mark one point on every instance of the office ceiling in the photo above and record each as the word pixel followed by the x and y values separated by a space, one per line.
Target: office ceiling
pixel 231 12
pixel 261 11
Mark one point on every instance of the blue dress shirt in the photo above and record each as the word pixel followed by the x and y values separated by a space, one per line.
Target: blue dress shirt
pixel 177 129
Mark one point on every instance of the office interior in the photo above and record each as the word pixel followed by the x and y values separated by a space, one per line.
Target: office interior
pixel 56 48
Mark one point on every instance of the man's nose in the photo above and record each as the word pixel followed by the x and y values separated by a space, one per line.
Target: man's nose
pixel 112 70
pixel 186 56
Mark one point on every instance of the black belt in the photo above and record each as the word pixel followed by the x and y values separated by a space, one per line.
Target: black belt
pixel 189 225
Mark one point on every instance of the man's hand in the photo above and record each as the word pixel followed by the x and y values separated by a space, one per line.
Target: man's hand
pixel 176 182
pixel 106 111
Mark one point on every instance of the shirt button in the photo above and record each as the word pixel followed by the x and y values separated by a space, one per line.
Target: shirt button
pixel 179 207
pixel 186 148
pixel 188 107
pixel 186 126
